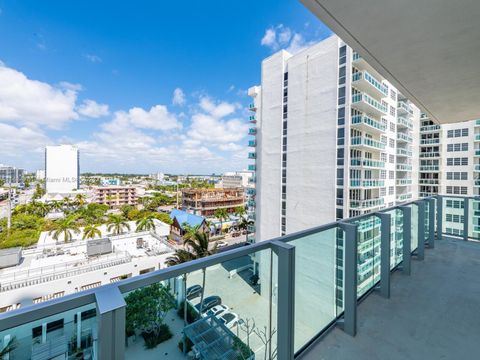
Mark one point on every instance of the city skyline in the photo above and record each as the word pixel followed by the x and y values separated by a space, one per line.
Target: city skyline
pixel 118 98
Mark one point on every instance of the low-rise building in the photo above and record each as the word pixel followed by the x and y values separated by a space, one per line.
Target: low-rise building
pixel 10 174
pixel 204 202
pixel 181 219
pixel 115 196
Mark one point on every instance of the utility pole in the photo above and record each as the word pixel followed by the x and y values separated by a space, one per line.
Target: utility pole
pixel 9 215
pixel 177 192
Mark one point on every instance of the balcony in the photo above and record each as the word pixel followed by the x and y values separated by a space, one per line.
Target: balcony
pixel 428 181
pixel 252 119
pixel 366 183
pixel 406 240
pixel 366 123
pixel 404 152
pixel 404 182
pixel 366 204
pixel 432 154
pixel 252 143
pixel 428 168
pixel 404 197
pixel 404 167
pixel 252 155
pixel 364 81
pixel 429 141
pixel 367 163
pixel 365 103
pixel 252 107
pixel 364 142
pixel 477 137
pixel 477 152
pixel 404 109
pixel 404 123
pixel 401 137
pixel 252 131
pixel 251 191
pixel 429 128
pixel 252 167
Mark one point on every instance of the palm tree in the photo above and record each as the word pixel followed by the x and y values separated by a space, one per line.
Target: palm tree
pixel 91 231
pixel 56 205
pixel 200 248
pixel 221 214
pixel 116 224
pixel 189 231
pixel 80 200
pixel 244 223
pixel 42 208
pixel 240 211
pixel 65 227
pixel 146 223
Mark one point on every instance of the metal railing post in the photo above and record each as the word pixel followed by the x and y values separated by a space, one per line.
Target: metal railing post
pixel 465 218
pixel 350 269
pixel 431 223
pixel 439 217
pixel 286 299
pixel 385 232
pixel 407 239
pixel 421 230
pixel 111 323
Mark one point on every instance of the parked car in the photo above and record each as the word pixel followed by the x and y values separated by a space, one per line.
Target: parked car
pixel 193 292
pixel 209 302
pixel 229 319
pixel 216 310
pixel 221 244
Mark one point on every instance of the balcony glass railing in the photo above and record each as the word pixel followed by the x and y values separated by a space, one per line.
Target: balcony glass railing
pixel 477 152
pixel 477 137
pixel 367 163
pixel 371 80
pixel 360 96
pixel 366 183
pixel 268 283
pixel 429 168
pixel 405 122
pixel 404 152
pixel 252 107
pixel 252 167
pixel 403 106
pixel 429 141
pixel 252 118
pixel 362 119
pixel 252 143
pixel 404 181
pixel 404 167
pixel 252 155
pixel 429 128
pixel 430 154
pixel 361 140
pixel 252 131
pixel 365 204
pixel 404 137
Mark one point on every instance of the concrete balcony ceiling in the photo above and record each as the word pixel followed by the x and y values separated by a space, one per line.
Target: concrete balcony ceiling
pixel 428 49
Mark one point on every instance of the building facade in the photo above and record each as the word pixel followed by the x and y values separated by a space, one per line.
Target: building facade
pixel 204 202
pixel 62 169
pixel 333 140
pixel 10 174
pixel 115 196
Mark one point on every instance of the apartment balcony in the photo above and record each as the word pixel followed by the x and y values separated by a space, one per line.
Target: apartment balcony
pixel 404 197
pixel 404 167
pixel 252 180
pixel 364 142
pixel 252 119
pixel 252 131
pixel 429 168
pixel 366 123
pixel 366 204
pixel 429 141
pixel 366 104
pixel 428 181
pixel 429 128
pixel 367 163
pixel 252 143
pixel 404 152
pixel 404 123
pixel 252 107
pixel 404 109
pixel 404 182
pixel 364 81
pixel 251 191
pixel 413 261
pixel 477 137
pixel 433 154
pixel 477 168
pixel 356 183
pixel 251 203
pixel 477 152
pixel 401 137
pixel 252 155
pixel 252 167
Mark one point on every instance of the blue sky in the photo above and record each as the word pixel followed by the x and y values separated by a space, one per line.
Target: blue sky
pixel 141 86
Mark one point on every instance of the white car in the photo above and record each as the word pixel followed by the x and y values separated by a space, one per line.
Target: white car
pixel 216 310
pixel 221 244
pixel 229 319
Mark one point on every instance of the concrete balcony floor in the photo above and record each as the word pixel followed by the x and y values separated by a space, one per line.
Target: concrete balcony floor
pixel 433 314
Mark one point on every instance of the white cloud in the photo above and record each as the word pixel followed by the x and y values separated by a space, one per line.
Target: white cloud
pixel 31 101
pixel 92 109
pixel 218 110
pixel 282 37
pixel 157 118
pixel 178 97
pixel 93 58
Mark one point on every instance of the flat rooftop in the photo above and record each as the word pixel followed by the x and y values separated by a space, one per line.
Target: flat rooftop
pixel 432 314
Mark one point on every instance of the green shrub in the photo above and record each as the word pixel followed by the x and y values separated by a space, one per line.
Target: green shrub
pixel 187 342
pixel 152 340
pixel 191 313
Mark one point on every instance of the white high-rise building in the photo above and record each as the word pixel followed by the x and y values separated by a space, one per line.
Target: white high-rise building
pixel 62 169
pixel 334 139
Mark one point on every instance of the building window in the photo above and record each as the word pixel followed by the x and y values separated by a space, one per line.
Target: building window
pixel 341 116
pixel 392 126
pixel 393 94
pixel 391 159
pixel 392 110
pixel 391 190
pixel 391 174
pixel 392 143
